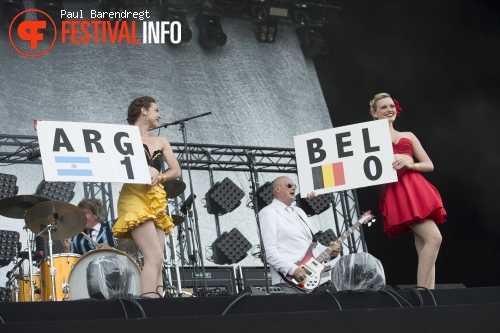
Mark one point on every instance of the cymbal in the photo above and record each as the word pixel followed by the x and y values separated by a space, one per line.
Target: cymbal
pixel 17 206
pixel 127 245
pixel 178 219
pixel 174 188
pixel 69 219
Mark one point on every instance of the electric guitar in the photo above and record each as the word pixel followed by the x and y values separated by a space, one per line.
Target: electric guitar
pixel 313 266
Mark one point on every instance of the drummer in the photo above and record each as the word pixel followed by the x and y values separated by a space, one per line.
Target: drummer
pixel 96 228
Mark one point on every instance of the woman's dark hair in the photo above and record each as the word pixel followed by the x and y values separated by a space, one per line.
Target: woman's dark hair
pixel 134 109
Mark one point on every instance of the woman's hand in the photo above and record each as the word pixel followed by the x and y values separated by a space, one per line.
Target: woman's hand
pixel 35 123
pixel 154 176
pixel 402 162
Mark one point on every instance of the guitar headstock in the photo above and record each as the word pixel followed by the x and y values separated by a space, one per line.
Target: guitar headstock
pixel 367 218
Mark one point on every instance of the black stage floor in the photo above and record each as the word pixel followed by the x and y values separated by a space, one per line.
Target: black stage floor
pixel 446 310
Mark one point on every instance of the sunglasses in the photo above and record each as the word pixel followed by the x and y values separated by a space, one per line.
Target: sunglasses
pixel 289 185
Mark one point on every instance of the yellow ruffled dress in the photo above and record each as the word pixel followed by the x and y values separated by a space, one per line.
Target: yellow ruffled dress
pixel 139 203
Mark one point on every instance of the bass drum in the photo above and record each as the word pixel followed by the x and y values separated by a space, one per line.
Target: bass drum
pixel 104 273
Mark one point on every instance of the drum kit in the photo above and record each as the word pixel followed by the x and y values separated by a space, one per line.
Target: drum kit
pixel 68 276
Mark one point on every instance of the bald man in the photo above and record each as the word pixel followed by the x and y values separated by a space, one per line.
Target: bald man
pixel 286 234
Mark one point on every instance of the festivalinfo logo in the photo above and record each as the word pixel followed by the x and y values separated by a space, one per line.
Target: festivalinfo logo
pixel 27 37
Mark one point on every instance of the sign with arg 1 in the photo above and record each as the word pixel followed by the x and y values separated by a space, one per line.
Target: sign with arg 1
pixel 91 152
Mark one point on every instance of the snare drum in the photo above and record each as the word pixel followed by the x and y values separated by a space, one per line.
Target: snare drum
pixel 24 289
pixel 103 273
pixel 63 263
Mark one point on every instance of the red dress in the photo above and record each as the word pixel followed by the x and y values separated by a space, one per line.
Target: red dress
pixel 412 199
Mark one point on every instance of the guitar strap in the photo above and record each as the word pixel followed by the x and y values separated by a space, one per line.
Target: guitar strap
pixel 315 240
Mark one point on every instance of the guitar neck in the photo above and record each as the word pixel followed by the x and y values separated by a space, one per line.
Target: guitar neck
pixel 326 254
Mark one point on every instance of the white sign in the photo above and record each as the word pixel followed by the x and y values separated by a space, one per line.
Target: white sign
pixel 345 158
pixel 91 152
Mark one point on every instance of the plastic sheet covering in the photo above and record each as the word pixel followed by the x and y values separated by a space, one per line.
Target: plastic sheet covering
pixel 358 271
pixel 108 276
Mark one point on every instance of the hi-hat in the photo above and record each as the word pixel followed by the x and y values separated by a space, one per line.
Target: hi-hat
pixel 178 219
pixel 16 207
pixel 174 188
pixel 69 220
pixel 127 245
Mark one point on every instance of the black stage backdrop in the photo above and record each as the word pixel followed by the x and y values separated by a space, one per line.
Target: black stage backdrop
pixel 440 59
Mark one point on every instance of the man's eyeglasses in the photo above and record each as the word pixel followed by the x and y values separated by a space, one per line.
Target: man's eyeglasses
pixel 289 185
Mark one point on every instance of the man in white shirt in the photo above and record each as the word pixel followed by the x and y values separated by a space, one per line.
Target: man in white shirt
pixel 287 235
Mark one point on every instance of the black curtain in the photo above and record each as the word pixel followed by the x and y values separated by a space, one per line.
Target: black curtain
pixel 441 61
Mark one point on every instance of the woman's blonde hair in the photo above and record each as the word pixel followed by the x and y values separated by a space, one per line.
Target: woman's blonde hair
pixel 373 102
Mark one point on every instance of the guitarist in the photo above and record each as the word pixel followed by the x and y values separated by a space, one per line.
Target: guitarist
pixel 287 235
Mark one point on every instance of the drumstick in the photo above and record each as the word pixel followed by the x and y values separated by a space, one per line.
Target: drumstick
pixel 90 239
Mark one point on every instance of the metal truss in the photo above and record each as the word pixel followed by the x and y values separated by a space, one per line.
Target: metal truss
pixel 17 149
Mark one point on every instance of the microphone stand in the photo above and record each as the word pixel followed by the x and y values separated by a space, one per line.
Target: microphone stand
pixel 253 172
pixel 196 240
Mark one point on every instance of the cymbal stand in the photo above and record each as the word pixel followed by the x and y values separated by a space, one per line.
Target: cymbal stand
pixel 53 270
pixel 31 240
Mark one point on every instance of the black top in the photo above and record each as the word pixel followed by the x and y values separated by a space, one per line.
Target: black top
pixel 155 160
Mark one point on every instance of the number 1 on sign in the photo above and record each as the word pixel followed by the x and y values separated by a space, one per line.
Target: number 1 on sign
pixel 128 167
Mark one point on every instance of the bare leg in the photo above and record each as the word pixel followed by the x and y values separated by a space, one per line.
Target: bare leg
pixel 146 237
pixel 159 279
pixel 427 242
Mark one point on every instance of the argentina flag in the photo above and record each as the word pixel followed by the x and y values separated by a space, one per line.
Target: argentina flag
pixel 73 166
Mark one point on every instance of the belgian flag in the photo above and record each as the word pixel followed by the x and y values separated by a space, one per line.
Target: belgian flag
pixel 328 175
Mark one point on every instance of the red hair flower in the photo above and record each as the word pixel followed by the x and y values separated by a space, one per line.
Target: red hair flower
pixel 398 108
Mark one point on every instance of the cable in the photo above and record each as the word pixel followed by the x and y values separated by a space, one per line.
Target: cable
pixel 236 301
pixel 131 299
pixel 415 290
pixel 3 321
pixel 335 298
pixel 123 306
pixel 392 292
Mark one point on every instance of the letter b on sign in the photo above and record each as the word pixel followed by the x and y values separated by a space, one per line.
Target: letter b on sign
pixel 316 154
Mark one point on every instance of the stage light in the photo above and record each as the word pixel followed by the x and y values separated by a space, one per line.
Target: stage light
pixel 315 206
pixel 180 16
pixel 57 191
pixel 299 15
pixel 230 248
pixel 210 34
pixel 312 42
pixel 325 237
pixel 266 31
pixel 8 186
pixel 223 197
pixel 8 10
pixel 5 294
pixel 258 11
pixel 264 195
pixel 53 9
pixel 9 246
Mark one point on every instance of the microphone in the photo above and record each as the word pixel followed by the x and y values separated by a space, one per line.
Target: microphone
pixel 34 154
pixel 187 204
pixel 36 255
pixel 11 272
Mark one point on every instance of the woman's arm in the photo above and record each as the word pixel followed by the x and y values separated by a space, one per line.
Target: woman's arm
pixel 174 169
pixel 424 163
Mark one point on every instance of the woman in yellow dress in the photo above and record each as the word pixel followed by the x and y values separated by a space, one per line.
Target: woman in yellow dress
pixel 141 208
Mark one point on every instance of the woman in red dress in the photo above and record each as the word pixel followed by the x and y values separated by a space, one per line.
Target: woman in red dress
pixel 412 203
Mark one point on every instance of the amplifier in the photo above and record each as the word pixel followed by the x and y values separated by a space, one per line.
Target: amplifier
pixel 222 278
pixel 254 276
